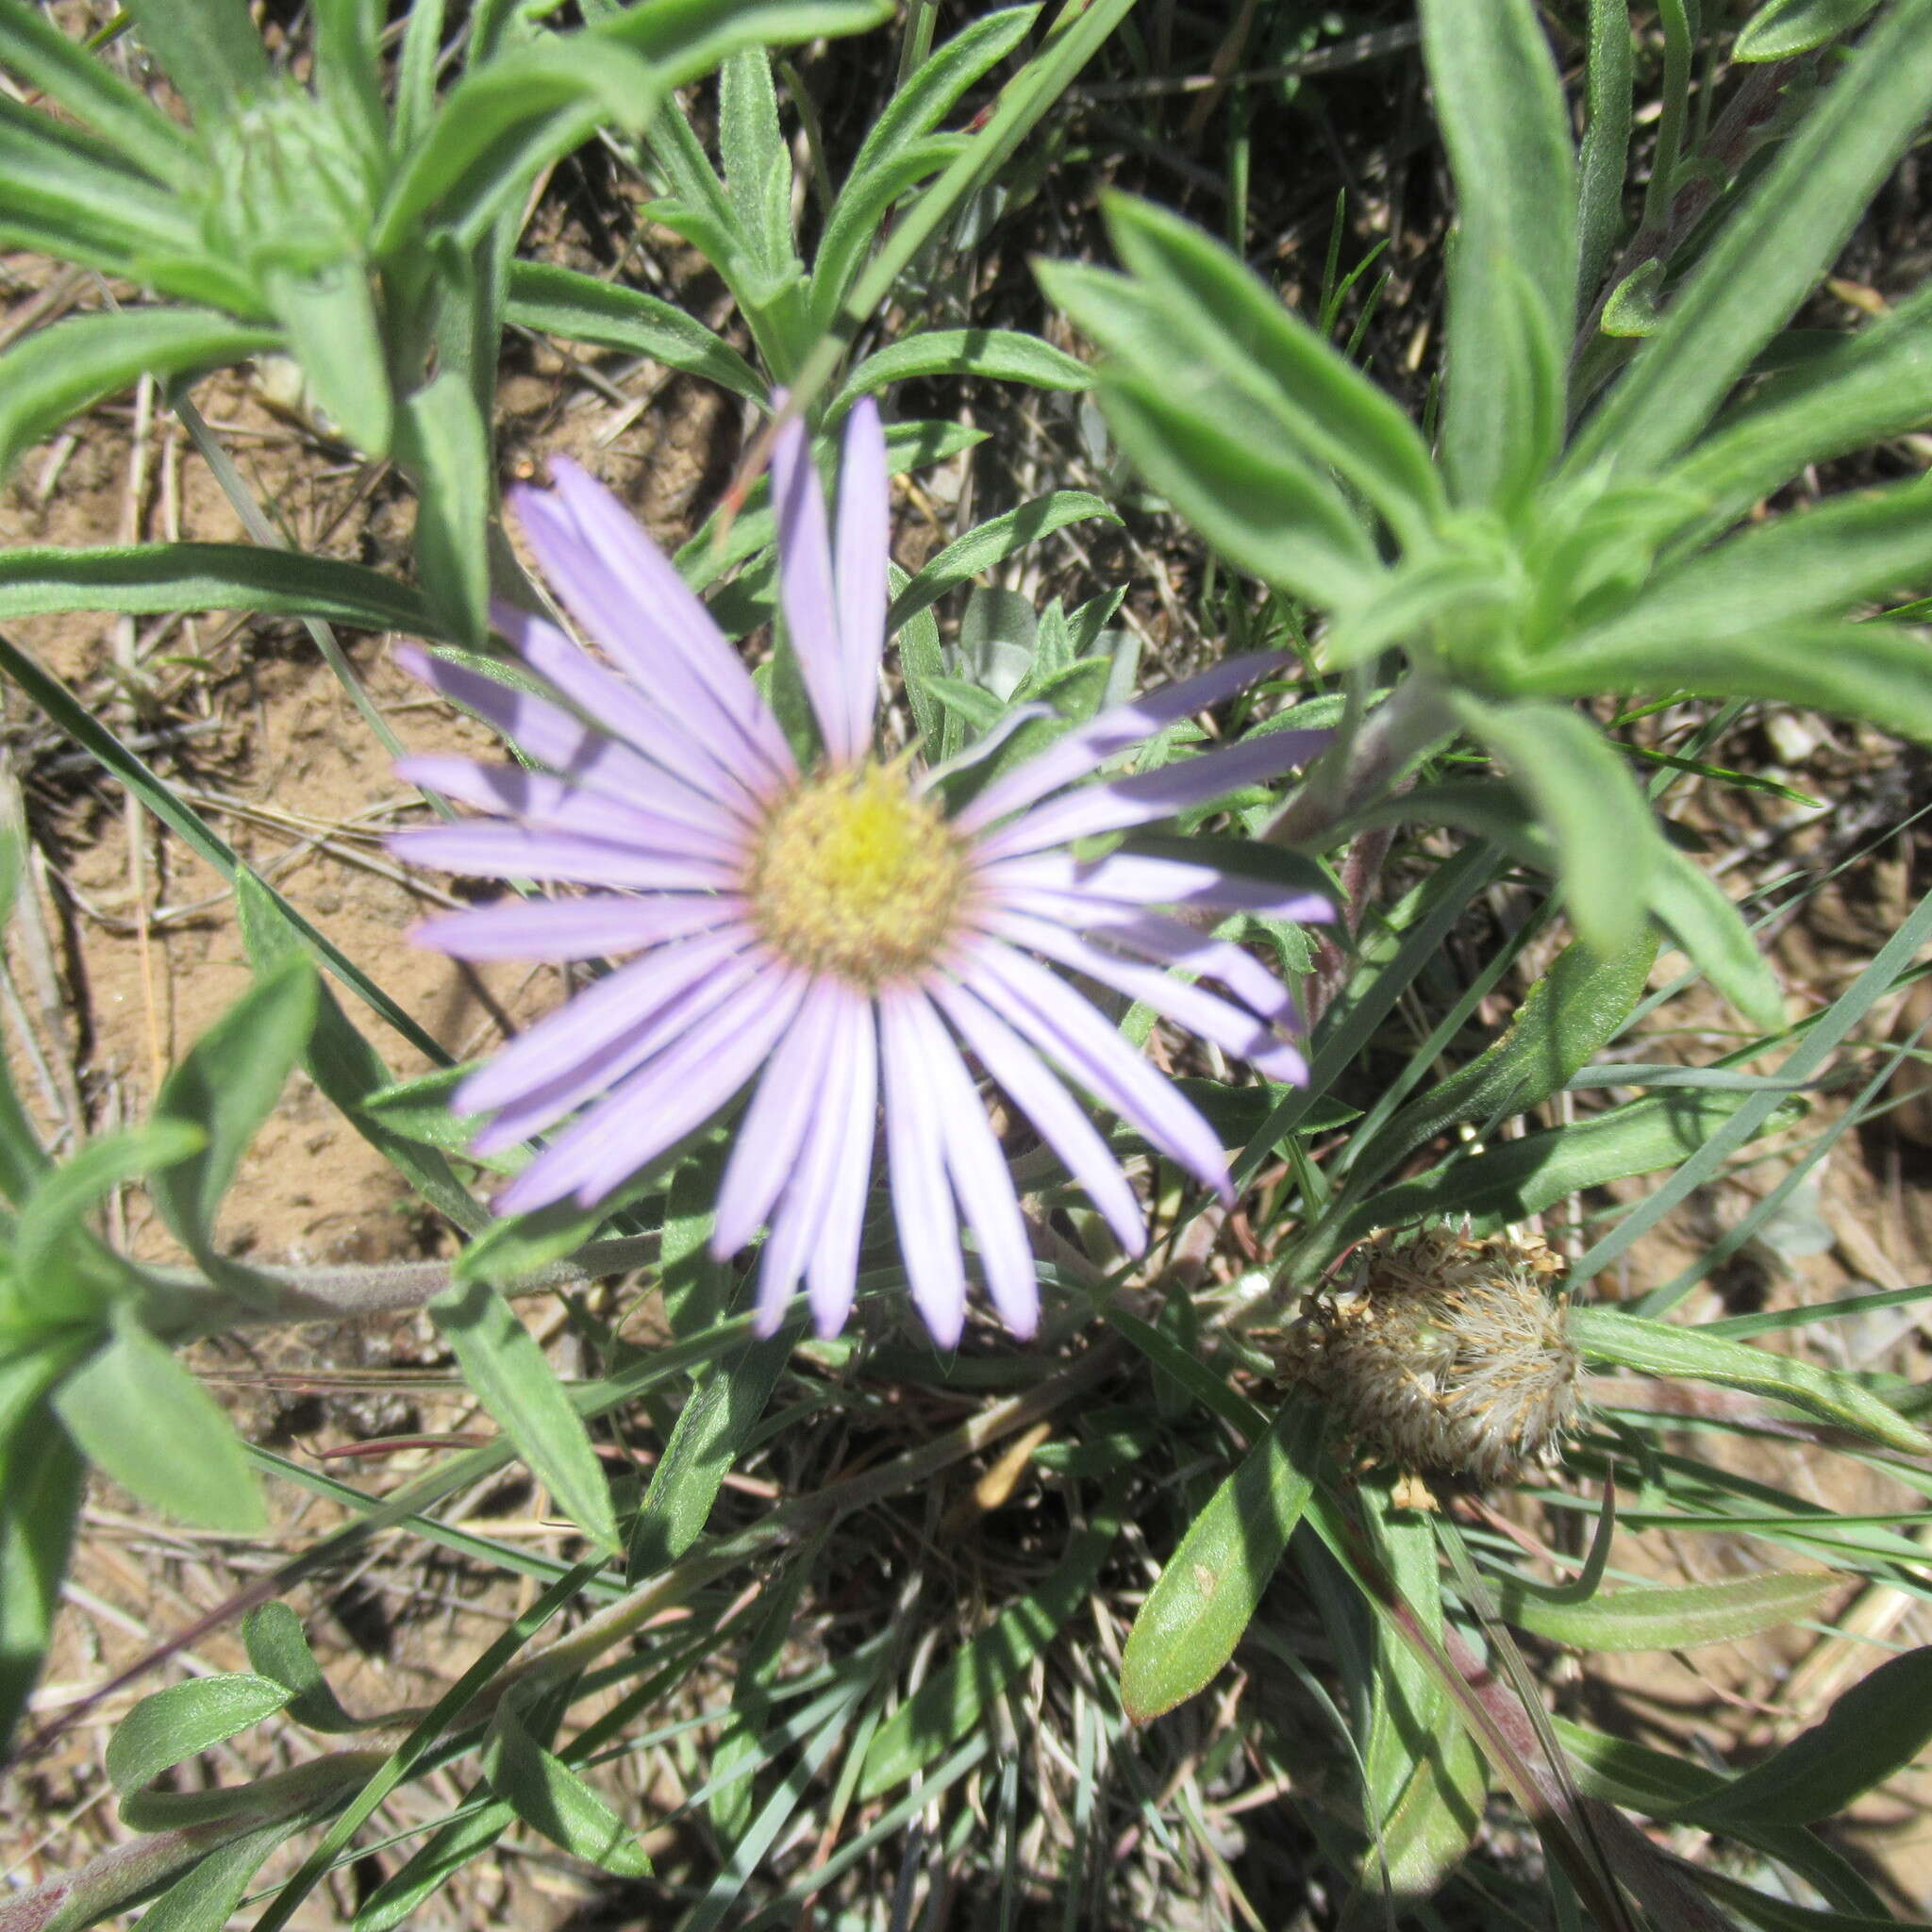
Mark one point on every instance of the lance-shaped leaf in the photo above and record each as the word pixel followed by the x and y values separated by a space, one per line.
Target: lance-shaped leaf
pixel 1770 255
pixel 552 1799
pixel 902 150
pixel 1585 798
pixel 582 308
pixel 40 1483
pixel 334 333
pixel 223 1088
pixel 1812 564
pixel 1870 1734
pixel 210 49
pixel 1604 161
pixel 170 1726
pixel 1515 1180
pixel 1697 912
pixel 145 578
pixel 1512 279
pixel 1875 385
pixel 1314 396
pixel 138 1413
pixel 60 370
pixel 444 445
pixel 278 1650
pixel 1673 1616
pixel 1875 671
pixel 1210 1588
pixel 993 542
pixel 1665 1348
pixel 1783 30
pixel 1186 428
pixel 502 1365
pixel 35 51
pixel 1005 355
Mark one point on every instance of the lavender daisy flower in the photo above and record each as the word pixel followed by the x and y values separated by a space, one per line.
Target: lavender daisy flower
pixel 831 933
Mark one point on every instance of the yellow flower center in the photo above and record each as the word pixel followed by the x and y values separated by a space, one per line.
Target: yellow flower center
pixel 855 875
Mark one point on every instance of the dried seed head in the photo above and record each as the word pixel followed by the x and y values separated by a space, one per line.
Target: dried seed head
pixel 1446 1354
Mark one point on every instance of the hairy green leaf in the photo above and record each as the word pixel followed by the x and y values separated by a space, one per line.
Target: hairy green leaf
pixel 168 1726
pixel 1673 1616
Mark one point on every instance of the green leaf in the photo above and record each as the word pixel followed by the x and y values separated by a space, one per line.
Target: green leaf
pixel 151 1426
pixel 334 334
pixel 758 163
pixel 993 542
pixel 168 1727
pixel 348 70
pixel 35 51
pixel 278 1650
pixel 1210 1588
pixel 341 1063
pixel 1874 1731
pixel 1783 30
pixel 1605 159
pixel 1699 915
pixel 1673 1616
pixel 1514 1179
pixel 209 1894
pixel 1770 253
pixel 553 1800
pixel 1586 799
pixel 582 308
pixel 901 148
pixel 1319 401
pixel 1869 671
pixel 1663 1348
pixel 56 1212
pixel 144 578
pixel 42 1479
pixel 1002 355
pixel 210 48
pixel 1512 277
pixel 953 1702
pixel 65 369
pixel 1871 387
pixel 444 446
pixel 507 1371
pixel 224 1090
pixel 1813 563
pixel 1260 503
pixel 1574 1011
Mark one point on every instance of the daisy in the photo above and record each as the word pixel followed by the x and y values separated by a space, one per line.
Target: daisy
pixel 831 931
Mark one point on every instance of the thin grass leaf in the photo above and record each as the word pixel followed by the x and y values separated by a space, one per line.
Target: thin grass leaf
pixel 952 1703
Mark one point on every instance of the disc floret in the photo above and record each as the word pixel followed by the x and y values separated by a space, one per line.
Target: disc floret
pixel 857 873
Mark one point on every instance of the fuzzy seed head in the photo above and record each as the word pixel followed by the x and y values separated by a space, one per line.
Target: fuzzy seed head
pixel 856 874
pixel 1446 1356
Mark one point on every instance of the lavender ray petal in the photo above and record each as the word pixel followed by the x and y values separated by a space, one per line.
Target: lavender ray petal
pixel 922 1199
pixel 482 849
pixel 709 743
pixel 1137 879
pixel 1117 802
pixel 805 588
pixel 863 532
pixel 554 804
pixel 653 1033
pixel 798 1226
pixel 1090 745
pixel 831 1273
pixel 548 733
pixel 1192 1007
pixel 980 1177
pixel 593 928
pixel 581 1035
pixel 1169 943
pixel 661 1102
pixel 773 1126
pixel 671 613
pixel 1057 1116
pixel 1066 1029
pixel 691 782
